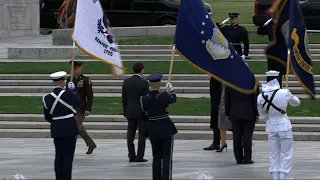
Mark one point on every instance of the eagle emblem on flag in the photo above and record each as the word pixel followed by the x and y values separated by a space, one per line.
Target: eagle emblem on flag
pixel 103 27
pixel 218 46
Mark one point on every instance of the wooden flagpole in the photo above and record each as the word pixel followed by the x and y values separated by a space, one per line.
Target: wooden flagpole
pixel 288 68
pixel 72 60
pixel 171 63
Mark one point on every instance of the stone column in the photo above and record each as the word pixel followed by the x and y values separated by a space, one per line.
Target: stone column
pixel 19 18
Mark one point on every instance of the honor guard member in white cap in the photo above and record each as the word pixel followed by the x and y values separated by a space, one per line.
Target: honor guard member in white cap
pixel 160 127
pixel 59 112
pixel 272 104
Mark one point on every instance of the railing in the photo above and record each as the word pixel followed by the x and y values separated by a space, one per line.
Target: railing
pixel 313 31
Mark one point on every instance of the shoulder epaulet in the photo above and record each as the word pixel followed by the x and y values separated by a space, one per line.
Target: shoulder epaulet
pixel 85 76
pixel 243 28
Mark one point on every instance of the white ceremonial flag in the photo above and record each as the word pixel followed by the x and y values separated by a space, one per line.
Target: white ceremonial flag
pixel 93 35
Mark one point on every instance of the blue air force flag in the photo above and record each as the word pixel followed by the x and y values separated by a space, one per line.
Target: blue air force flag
pixel 298 44
pixel 93 35
pixel 201 43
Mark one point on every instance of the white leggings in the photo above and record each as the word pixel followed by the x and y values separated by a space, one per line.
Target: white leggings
pixel 281 153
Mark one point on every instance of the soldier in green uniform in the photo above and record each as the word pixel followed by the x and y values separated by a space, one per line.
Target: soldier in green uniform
pixel 84 87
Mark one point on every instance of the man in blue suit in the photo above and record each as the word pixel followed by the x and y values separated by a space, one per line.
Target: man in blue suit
pixel 59 112
pixel 160 127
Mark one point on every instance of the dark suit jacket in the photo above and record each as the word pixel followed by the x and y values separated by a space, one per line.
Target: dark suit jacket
pixel 239 105
pixel 132 89
pixel 215 97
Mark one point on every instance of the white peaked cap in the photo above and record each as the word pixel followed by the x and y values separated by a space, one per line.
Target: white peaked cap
pixel 58 75
pixel 272 73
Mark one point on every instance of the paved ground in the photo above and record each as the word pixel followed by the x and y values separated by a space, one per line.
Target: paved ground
pixel 34 159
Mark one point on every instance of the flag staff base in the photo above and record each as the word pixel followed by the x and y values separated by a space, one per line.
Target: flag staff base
pixel 288 69
pixel 171 63
pixel 72 60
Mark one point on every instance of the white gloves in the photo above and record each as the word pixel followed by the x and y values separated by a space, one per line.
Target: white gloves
pixel 243 57
pixel 169 86
pixel 71 85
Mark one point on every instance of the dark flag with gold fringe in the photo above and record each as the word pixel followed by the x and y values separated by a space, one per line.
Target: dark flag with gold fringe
pixel 277 49
pixel 298 44
pixel 290 34
pixel 199 41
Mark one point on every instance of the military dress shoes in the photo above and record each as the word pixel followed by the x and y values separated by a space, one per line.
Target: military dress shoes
pixel 212 147
pixel 240 162
pixel 140 160
pixel 90 149
pixel 248 162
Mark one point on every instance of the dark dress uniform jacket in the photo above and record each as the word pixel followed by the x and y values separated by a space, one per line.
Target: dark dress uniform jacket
pixel 155 104
pixel 239 105
pixel 61 127
pixel 132 89
pixel 84 87
pixel 235 35
pixel 215 97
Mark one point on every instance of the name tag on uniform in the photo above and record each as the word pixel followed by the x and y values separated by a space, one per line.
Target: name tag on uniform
pixel 80 83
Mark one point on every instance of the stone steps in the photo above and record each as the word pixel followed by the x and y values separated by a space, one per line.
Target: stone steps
pixel 146 51
pixel 120 118
pixel 123 126
pixel 187 85
pixel 121 134
pixel 135 47
pixel 174 77
pixel 61 55
pixel 118 89
pixel 177 83
pixel 182 95
pixel 132 52
pixel 152 56
pixel 114 127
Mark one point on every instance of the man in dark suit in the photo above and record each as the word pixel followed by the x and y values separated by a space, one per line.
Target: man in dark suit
pixel 241 109
pixel 132 89
pixel 59 112
pixel 215 97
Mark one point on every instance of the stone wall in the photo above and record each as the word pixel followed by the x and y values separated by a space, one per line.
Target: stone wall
pixel 19 18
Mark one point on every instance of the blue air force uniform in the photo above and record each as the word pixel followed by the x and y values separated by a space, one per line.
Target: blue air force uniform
pixel 59 112
pixel 160 128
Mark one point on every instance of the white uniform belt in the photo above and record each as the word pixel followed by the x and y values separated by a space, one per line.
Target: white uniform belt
pixel 155 118
pixel 63 117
